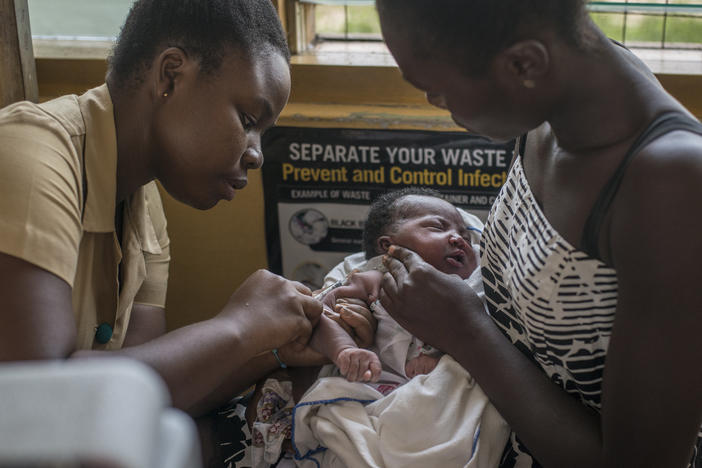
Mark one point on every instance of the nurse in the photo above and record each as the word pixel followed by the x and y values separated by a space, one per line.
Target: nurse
pixel 84 250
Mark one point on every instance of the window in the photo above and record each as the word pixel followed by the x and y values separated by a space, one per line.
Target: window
pixel 662 24
pixel 96 20
pixel 80 28
pixel 348 22
pixel 673 24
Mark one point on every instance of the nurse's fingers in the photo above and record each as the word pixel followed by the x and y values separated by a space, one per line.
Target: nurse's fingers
pixel 406 260
pixel 301 288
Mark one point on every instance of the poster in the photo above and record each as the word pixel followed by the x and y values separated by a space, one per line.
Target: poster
pixel 318 184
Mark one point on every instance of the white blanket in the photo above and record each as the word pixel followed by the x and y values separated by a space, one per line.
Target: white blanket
pixel 442 419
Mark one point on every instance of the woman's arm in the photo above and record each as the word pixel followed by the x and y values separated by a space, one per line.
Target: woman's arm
pixel 266 312
pixel 146 322
pixel 651 403
pixel 239 381
pixel 443 311
pixel 652 389
pixel 38 323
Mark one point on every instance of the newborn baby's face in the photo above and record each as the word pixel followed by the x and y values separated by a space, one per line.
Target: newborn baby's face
pixel 435 230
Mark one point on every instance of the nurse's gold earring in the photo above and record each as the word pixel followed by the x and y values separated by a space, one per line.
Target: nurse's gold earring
pixel 530 84
pixel 165 94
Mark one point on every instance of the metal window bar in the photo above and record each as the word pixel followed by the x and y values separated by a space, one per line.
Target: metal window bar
pixel 341 2
pixel 665 26
pixel 639 7
pixel 614 7
pixel 664 10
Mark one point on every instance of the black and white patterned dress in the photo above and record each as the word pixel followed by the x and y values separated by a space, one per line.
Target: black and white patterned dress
pixel 554 302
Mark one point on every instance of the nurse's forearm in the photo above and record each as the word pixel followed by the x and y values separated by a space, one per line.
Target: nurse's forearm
pixel 236 383
pixel 196 361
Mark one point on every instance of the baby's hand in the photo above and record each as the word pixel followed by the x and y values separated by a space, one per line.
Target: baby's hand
pixel 422 364
pixel 358 364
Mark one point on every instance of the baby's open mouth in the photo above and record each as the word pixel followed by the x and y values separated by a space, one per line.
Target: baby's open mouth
pixel 457 259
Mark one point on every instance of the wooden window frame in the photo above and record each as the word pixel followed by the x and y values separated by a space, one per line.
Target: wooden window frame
pixel 18 76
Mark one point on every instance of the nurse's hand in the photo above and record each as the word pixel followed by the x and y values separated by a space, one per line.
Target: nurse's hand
pixel 270 311
pixel 436 307
pixel 293 356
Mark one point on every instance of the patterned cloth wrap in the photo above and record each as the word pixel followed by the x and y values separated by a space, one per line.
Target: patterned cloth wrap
pixel 273 424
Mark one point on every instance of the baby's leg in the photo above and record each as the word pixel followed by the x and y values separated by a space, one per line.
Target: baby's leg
pixel 422 364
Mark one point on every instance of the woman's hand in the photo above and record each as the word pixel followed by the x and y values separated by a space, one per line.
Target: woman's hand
pixel 436 307
pixel 353 315
pixel 269 312
pixel 293 356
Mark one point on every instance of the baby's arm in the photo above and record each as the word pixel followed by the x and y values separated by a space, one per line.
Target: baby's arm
pixel 330 339
pixel 354 363
pixel 363 285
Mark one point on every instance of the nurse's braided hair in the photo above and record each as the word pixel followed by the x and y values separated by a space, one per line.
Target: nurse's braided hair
pixel 472 32
pixel 384 214
pixel 202 28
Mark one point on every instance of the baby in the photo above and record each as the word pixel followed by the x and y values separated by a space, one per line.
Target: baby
pixel 414 218
pixel 419 220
